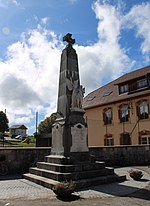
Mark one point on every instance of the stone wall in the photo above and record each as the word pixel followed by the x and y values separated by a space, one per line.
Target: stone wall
pixel 43 140
pixel 122 155
pixel 20 159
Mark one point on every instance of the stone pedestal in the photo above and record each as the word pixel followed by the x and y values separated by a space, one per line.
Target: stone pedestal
pixel 70 135
pixel 57 168
pixel 70 159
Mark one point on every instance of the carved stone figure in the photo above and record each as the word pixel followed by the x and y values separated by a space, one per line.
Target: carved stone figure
pixel 77 97
pixel 77 93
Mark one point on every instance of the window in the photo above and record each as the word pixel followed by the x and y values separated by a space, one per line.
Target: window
pixel 107 94
pixel 108 141
pixel 124 113
pixel 138 84
pixel 145 140
pixel 142 109
pixel 107 116
pixel 148 81
pixel 91 98
pixel 125 139
pixel 141 83
pixel 123 89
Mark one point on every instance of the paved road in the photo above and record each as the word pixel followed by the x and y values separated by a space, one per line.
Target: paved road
pixel 20 192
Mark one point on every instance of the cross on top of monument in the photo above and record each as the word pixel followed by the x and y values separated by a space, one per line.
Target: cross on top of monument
pixel 68 39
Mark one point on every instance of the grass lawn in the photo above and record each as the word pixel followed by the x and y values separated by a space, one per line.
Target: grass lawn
pixel 23 143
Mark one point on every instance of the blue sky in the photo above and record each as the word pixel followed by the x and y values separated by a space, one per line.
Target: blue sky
pixel 112 38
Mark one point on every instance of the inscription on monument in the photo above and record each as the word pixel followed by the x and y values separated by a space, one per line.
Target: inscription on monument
pixel 57 145
pixel 79 138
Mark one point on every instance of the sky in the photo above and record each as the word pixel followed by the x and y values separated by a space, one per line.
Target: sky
pixel 112 38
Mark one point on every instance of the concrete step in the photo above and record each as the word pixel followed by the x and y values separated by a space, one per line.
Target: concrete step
pixel 92 173
pixel 99 180
pixel 58 159
pixel 61 176
pixel 70 168
pixel 91 166
pixel 56 167
pixel 57 176
pixel 49 183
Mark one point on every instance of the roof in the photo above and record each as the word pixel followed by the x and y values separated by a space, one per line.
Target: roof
pixel 133 75
pixel 109 93
pixel 18 127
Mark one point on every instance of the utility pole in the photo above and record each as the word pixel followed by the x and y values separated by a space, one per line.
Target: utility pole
pixel 36 122
pixel 4 135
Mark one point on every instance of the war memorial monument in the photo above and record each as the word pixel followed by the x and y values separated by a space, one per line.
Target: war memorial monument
pixel 70 158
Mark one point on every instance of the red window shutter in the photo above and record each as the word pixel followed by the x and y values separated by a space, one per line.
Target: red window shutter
pixel 104 117
pixel 119 113
pixel 148 108
pixel 137 111
pixel 139 139
pixel 112 141
pixel 105 142
pixel 121 139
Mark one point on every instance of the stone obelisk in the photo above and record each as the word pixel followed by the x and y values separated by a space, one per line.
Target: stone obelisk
pixel 69 132
pixel 69 158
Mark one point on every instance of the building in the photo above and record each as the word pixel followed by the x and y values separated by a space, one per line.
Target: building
pixel 18 130
pixel 118 113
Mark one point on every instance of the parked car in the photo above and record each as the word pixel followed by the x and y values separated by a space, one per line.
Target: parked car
pixel 20 137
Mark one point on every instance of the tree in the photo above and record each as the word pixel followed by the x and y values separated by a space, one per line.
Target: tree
pixel 45 126
pixel 3 122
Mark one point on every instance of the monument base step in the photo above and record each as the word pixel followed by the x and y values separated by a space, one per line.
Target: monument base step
pixel 49 183
pixel 58 159
pixel 60 169
pixel 100 180
pixel 71 168
pixel 62 176
pixel 46 182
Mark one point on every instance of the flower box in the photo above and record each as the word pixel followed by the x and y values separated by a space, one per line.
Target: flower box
pixel 135 174
pixel 64 189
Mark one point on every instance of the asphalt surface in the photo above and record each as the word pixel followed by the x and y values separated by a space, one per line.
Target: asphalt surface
pixel 21 192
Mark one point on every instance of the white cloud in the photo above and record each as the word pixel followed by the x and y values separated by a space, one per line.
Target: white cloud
pixel 139 18
pixel 14 2
pixel 44 20
pixel 6 3
pixel 30 74
pixel 106 60
pixel 109 22
pixel 17 93
pixel 36 60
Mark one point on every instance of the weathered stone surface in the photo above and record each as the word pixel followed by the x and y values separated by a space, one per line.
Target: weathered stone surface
pixel 69 133
pixel 17 157
pixel 79 138
pixel 57 140
pixel 68 70
pixel 65 135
